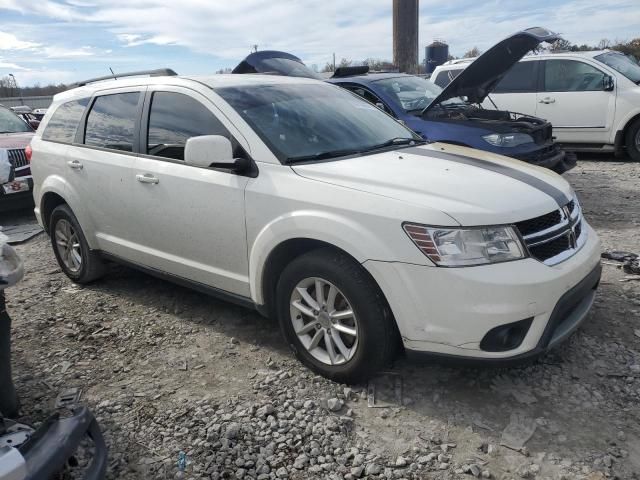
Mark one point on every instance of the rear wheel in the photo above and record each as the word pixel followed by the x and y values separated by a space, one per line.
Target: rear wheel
pixel 633 141
pixel 334 316
pixel 76 259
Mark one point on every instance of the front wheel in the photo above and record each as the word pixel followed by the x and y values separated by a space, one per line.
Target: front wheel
pixel 632 141
pixel 334 316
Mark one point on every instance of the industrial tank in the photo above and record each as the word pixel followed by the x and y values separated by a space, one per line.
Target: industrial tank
pixel 435 54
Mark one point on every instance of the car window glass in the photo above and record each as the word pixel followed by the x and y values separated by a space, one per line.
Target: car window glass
pixel 445 77
pixel 173 119
pixel 64 121
pixel 368 96
pixel 297 120
pixel 111 121
pixel 11 123
pixel 621 63
pixel 520 78
pixel 571 76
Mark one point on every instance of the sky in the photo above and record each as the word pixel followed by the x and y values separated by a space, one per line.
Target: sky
pixel 47 41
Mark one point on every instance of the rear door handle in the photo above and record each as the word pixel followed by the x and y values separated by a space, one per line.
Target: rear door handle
pixel 548 100
pixel 75 164
pixel 147 178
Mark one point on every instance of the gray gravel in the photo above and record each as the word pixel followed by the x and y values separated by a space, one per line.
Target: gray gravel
pixel 167 370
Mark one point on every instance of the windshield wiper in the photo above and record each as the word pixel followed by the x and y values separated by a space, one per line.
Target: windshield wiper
pixel 397 141
pixel 322 155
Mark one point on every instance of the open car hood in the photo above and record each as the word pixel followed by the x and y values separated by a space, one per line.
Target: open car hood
pixel 274 62
pixel 485 72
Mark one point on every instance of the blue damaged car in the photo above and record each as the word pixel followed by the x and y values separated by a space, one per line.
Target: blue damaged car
pixel 453 114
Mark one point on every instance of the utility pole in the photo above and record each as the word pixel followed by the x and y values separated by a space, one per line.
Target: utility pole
pixel 334 61
pixel 405 35
pixel 13 85
pixel 254 48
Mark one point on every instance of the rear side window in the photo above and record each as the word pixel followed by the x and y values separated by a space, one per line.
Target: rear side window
pixel 111 121
pixel 173 119
pixel 521 78
pixel 64 121
pixel 444 78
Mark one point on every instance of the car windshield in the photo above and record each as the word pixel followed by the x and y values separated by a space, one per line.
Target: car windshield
pixel 413 94
pixel 314 121
pixel 11 123
pixel 622 64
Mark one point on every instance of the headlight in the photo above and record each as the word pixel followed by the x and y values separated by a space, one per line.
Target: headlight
pixel 508 139
pixel 458 247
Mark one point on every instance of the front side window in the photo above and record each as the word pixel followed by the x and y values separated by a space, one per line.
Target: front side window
pixel 522 77
pixel 622 64
pixel 369 97
pixel 173 119
pixel 11 123
pixel 111 121
pixel 64 121
pixel 571 76
pixel 303 120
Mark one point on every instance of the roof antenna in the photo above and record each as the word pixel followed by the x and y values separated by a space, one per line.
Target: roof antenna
pixel 114 75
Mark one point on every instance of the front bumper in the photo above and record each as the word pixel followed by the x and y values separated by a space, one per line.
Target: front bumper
pixel 551 157
pixel 49 448
pixel 449 311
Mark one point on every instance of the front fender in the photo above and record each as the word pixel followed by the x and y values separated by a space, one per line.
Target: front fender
pixel 344 233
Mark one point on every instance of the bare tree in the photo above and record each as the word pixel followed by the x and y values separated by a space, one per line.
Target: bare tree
pixel 474 52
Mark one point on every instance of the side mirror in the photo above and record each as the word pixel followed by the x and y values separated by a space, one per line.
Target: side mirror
pixel 212 151
pixel 607 83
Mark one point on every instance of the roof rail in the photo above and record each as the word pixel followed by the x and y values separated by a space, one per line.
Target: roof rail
pixel 160 72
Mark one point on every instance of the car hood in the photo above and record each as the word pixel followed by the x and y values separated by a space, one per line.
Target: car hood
pixel 472 187
pixel 15 140
pixel 274 62
pixel 485 72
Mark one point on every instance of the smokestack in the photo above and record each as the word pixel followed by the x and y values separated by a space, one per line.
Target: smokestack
pixel 405 35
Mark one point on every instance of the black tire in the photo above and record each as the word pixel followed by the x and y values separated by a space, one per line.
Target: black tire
pixel 9 403
pixel 377 333
pixel 631 143
pixel 91 266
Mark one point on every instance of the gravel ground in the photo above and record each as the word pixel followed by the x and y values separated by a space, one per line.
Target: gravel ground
pixel 185 386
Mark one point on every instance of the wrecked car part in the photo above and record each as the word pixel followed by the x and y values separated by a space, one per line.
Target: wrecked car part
pixel 13 434
pixel 68 398
pixel 630 262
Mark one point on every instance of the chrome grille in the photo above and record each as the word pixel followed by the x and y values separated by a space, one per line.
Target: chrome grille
pixel 555 236
pixel 18 158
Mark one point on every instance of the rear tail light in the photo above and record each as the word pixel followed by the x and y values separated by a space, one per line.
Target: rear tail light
pixel 28 152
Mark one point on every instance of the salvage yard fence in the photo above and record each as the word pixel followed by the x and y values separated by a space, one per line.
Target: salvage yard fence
pixel 41 101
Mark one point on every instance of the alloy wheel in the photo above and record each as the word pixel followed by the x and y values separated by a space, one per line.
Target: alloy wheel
pixel 68 245
pixel 324 321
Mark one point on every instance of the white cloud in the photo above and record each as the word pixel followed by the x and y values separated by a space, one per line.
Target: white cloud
pixel 61 52
pixel 10 66
pixel 9 41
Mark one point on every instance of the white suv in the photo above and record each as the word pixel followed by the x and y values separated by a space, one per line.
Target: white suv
pixel 300 199
pixel 591 98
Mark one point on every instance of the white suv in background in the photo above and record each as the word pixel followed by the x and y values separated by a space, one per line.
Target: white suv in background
pixel 592 99
pixel 299 199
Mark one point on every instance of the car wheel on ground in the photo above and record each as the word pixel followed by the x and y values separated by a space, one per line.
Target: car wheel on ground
pixel 71 249
pixel 334 317
pixel 633 141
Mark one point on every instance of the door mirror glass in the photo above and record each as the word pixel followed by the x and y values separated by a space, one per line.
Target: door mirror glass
pixel 209 150
pixel 607 83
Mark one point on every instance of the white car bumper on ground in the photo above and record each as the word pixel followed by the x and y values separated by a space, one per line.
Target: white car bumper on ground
pixel 449 311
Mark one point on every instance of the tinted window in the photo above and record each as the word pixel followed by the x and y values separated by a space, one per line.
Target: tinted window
pixel 112 120
pixel 571 76
pixel 173 119
pixel 64 121
pixel 444 78
pixel 521 77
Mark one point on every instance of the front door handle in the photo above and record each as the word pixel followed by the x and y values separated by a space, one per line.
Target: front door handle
pixel 548 100
pixel 75 164
pixel 147 178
